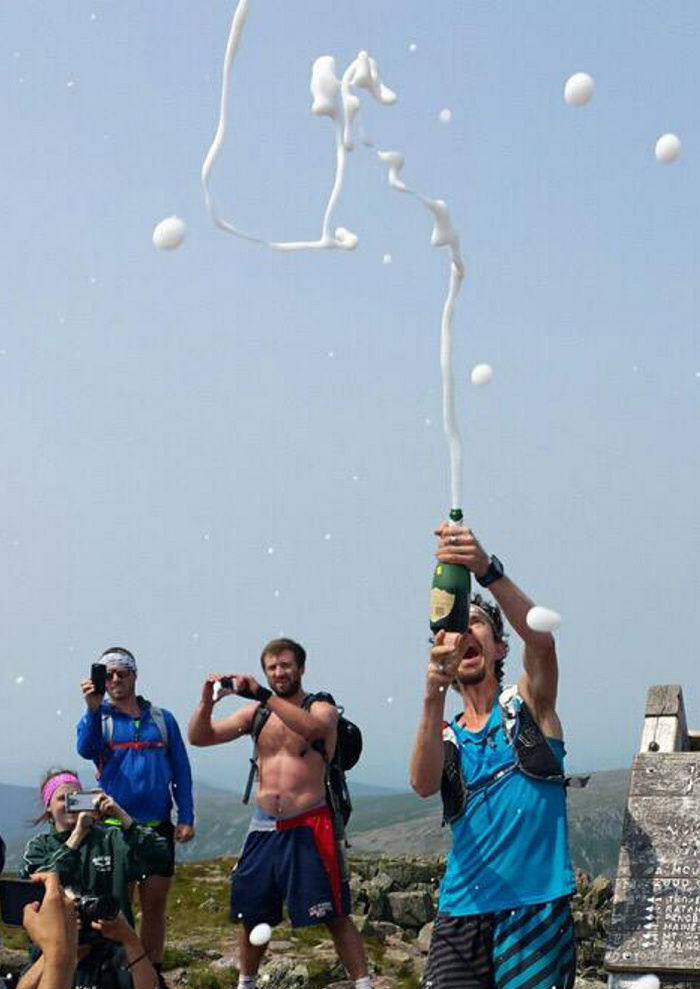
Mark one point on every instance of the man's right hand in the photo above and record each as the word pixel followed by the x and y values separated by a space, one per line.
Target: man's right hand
pixel 445 656
pixel 90 695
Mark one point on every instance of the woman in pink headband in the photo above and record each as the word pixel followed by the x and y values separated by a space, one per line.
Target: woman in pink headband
pixel 93 857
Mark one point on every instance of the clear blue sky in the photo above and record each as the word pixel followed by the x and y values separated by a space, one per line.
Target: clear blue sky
pixel 165 418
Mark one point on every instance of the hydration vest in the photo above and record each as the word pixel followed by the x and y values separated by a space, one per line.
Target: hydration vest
pixel 532 756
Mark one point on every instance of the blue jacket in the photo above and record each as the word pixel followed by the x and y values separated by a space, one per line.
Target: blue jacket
pixel 135 768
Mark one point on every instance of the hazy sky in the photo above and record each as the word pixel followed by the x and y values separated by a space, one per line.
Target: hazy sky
pixel 167 418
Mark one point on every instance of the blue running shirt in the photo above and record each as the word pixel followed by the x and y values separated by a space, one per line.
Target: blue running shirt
pixel 510 847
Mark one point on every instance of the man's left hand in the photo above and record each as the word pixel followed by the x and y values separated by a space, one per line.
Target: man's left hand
pixel 247 686
pixel 184 833
pixel 458 544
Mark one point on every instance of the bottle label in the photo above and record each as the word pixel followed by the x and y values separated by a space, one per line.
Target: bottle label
pixel 441 604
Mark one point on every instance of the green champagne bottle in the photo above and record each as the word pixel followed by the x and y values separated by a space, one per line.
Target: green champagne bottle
pixel 449 595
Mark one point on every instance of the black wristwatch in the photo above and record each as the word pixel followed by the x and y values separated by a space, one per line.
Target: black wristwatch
pixel 494 572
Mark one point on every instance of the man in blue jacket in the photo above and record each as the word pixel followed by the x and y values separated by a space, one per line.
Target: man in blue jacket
pixel 142 763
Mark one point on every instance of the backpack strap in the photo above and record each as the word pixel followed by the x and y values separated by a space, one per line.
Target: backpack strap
pixel 258 723
pixel 161 724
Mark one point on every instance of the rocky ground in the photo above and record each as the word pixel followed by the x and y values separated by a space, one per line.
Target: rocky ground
pixel 394 902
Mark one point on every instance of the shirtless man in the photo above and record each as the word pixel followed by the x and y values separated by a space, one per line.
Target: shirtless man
pixel 290 853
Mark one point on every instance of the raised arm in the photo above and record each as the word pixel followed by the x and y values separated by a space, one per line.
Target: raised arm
pixel 317 723
pixel 538 682
pixel 202 731
pixel 427 756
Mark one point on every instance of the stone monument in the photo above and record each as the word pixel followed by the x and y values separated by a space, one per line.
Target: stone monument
pixel 655 926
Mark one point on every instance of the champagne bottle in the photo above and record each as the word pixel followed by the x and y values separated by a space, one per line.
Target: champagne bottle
pixel 449 595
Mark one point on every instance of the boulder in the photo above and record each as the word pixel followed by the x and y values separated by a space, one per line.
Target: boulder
pixel 411 909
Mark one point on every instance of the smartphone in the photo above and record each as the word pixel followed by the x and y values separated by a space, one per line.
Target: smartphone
pixel 15 894
pixel 227 683
pixel 80 800
pixel 98 675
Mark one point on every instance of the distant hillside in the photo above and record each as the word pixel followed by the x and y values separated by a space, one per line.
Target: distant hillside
pixel 386 823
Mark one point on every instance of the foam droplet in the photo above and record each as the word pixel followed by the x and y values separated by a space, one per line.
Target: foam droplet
pixel 428 422
pixel 445 116
pixel 667 149
pixel 260 934
pixel 413 47
pixel 169 233
pixel 327 536
pixel 70 84
pixel 19 679
pixel 387 258
pixel 541 619
pixel 482 374
pixel 59 712
pixel 276 593
pixel 270 550
pixel 578 89
pixel 647 982
pixel 390 700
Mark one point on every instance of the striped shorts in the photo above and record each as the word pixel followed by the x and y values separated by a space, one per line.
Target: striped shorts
pixel 526 948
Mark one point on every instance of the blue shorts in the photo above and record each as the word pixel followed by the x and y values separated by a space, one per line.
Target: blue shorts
pixel 526 948
pixel 295 861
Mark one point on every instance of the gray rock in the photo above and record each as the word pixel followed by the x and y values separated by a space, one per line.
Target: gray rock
pixel 424 936
pixel 411 909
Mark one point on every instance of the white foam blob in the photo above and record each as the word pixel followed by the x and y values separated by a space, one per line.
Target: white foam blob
pixel 206 537
pixel 70 84
pixel 195 636
pixel 390 700
pixel 356 477
pixel 331 353
pixel 428 422
pixel 387 258
pixel 647 982
pixel 169 233
pixel 19 679
pixel 578 89
pixel 541 619
pixel 667 148
pixel 276 593
pixel 482 374
pixel 270 550
pixel 327 536
pixel 59 712
pixel 260 934
pixel 445 116
pixel 413 47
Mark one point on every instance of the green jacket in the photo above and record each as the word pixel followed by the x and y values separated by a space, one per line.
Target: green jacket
pixel 104 863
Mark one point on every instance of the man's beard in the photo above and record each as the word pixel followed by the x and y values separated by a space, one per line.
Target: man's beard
pixel 466 679
pixel 288 689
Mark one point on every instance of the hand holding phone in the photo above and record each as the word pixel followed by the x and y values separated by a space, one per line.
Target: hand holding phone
pixel 15 894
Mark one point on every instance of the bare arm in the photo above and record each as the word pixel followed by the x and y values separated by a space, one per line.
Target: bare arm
pixel 539 681
pixel 427 756
pixel 319 723
pixel 202 731
pixel 143 974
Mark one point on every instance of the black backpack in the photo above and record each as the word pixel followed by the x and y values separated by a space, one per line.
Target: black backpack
pixel 348 749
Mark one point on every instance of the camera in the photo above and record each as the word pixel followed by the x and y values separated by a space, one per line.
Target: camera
pixel 90 907
pixel 81 800
pixel 227 683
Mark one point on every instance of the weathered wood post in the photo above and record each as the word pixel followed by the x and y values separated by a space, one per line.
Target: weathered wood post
pixel 655 927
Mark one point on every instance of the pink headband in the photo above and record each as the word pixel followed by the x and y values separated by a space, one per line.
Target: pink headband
pixel 53 784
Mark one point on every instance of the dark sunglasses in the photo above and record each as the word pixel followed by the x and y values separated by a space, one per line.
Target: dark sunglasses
pixel 117 674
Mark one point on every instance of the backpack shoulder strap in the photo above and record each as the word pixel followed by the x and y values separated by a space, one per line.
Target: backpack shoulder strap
pixel 107 727
pixel 258 723
pixel 161 724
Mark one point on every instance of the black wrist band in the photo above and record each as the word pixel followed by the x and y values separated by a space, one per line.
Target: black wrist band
pixel 137 960
pixel 263 695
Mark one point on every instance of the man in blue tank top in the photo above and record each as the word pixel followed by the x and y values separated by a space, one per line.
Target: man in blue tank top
pixel 504 918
